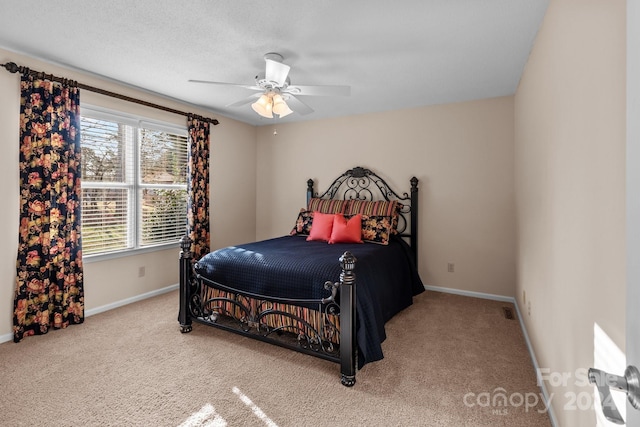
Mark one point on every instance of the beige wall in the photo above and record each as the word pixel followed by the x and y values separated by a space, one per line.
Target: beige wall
pixel 233 154
pixel 461 153
pixel 570 185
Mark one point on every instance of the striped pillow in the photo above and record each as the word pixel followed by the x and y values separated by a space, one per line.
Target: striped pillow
pixel 330 206
pixel 368 207
pixel 379 208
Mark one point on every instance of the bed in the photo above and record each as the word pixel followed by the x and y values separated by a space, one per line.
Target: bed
pixel 348 266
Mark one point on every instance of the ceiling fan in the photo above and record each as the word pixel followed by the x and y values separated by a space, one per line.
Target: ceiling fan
pixel 276 93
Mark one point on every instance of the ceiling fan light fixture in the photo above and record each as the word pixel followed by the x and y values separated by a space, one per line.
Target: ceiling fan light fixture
pixel 280 107
pixel 275 90
pixel 263 106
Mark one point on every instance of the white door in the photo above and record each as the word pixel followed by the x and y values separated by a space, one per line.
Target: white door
pixel 633 195
pixel 632 346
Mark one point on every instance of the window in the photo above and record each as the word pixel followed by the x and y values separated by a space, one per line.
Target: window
pixel 134 182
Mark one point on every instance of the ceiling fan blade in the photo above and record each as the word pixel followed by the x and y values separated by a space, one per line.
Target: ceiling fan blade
pixel 276 71
pixel 252 87
pixel 298 106
pixel 245 100
pixel 322 90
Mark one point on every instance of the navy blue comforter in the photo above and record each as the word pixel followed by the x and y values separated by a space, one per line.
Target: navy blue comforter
pixel 291 267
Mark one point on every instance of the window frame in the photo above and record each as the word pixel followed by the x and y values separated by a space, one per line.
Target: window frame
pixel 134 182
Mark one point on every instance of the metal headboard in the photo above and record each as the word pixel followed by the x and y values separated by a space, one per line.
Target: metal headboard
pixel 362 184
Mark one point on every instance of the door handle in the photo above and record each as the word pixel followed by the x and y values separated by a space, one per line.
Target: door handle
pixel 629 383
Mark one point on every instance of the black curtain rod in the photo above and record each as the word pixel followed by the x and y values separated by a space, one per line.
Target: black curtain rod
pixel 13 68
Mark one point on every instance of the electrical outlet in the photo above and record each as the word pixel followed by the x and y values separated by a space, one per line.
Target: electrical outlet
pixel 450 267
pixel 141 271
pixel 524 296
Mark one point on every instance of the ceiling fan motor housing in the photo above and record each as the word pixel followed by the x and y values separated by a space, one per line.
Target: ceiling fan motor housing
pixel 264 83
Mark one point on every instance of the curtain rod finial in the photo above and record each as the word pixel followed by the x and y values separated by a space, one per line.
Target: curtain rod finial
pixel 11 67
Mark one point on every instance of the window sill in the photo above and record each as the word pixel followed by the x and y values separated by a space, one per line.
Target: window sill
pixel 87 259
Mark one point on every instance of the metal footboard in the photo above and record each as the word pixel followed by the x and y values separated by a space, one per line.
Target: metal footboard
pixel 236 314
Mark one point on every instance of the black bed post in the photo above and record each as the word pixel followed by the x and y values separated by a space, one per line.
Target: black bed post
pixel 348 349
pixel 185 279
pixel 414 219
pixel 309 190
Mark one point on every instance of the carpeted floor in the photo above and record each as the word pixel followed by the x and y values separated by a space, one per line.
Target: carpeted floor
pixel 448 361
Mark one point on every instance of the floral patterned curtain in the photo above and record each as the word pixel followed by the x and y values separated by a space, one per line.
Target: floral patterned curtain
pixel 49 288
pixel 198 187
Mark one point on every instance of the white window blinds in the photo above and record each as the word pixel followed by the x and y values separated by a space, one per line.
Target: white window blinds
pixel 163 186
pixel 133 183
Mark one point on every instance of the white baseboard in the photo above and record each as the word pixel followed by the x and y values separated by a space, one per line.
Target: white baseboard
pixel 543 388
pixel 91 312
pixel 539 380
pixel 470 293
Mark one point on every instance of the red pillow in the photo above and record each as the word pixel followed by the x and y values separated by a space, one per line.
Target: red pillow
pixel 346 231
pixel 321 226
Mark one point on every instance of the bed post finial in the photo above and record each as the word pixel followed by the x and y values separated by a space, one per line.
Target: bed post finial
pixel 309 190
pixel 414 184
pixel 185 246
pixel 348 264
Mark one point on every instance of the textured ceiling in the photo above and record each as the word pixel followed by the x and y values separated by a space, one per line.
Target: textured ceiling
pixel 393 55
